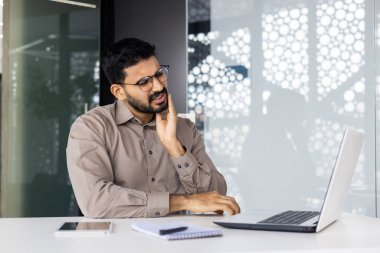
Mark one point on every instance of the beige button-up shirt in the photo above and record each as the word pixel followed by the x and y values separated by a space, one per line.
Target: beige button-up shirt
pixel 119 168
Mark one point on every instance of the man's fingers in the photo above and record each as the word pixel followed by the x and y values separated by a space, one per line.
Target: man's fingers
pixel 158 117
pixel 232 204
pixel 220 212
pixel 224 205
pixel 227 208
pixel 171 105
pixel 227 200
pixel 213 202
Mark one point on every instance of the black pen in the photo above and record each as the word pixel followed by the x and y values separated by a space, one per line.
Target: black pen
pixel 171 230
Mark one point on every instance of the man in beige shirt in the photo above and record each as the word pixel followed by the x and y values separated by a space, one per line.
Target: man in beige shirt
pixel 135 158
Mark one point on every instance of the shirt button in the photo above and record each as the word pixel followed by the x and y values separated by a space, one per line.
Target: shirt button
pixel 179 166
pixel 157 213
pixel 186 164
pixel 150 152
pixel 153 179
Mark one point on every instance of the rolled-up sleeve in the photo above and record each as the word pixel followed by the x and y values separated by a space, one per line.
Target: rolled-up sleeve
pixel 92 178
pixel 196 171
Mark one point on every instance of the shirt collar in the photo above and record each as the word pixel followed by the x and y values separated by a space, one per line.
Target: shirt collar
pixel 123 115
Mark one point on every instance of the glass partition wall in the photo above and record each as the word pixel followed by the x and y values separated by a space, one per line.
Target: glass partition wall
pixel 51 77
pixel 377 69
pixel 273 84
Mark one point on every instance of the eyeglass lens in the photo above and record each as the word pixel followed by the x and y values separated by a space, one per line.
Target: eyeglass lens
pixel 146 83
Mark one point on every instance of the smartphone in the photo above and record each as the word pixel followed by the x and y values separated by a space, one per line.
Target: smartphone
pixel 86 228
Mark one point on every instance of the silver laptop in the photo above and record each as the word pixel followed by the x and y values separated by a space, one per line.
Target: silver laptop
pixel 308 221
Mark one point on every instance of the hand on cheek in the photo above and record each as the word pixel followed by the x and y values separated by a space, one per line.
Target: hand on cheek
pixel 167 130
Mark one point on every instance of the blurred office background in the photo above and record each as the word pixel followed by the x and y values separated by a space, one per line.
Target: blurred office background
pixel 272 85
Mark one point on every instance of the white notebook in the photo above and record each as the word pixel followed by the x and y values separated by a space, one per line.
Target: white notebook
pixel 192 231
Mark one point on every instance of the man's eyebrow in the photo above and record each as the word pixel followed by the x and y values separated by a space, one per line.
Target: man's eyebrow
pixel 153 73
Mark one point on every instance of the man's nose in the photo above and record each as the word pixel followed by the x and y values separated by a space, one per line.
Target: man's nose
pixel 157 85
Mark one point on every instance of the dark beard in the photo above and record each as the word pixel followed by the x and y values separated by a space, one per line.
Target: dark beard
pixel 140 107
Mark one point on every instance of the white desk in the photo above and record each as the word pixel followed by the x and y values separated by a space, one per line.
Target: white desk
pixel 350 234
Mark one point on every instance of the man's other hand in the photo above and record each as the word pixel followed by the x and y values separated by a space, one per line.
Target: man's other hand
pixel 204 202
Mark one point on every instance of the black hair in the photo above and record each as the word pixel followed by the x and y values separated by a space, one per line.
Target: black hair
pixel 123 54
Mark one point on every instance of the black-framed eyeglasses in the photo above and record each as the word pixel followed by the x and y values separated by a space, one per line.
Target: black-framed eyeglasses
pixel 146 83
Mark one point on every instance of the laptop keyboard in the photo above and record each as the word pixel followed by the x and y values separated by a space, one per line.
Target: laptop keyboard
pixel 290 217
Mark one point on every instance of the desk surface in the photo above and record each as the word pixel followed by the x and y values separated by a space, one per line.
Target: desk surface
pixel 352 233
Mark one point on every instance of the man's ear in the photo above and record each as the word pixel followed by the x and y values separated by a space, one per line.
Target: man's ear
pixel 118 91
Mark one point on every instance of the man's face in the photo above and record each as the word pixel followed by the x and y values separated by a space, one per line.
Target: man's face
pixel 153 101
